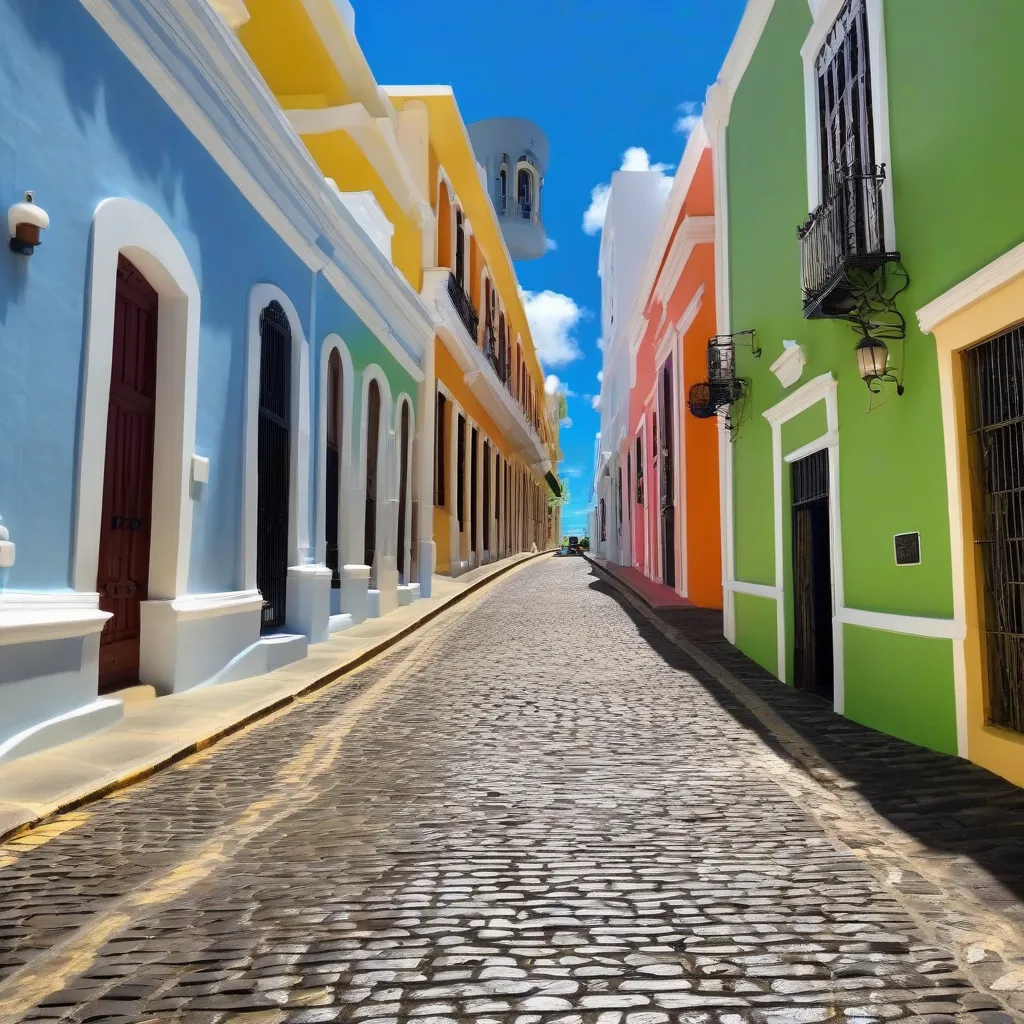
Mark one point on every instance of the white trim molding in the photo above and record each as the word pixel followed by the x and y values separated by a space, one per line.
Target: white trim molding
pixel 34 617
pixel 991 278
pixel 820 389
pixel 910 625
pixel 124 226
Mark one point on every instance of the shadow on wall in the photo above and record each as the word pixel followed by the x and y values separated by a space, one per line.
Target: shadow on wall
pixel 948 804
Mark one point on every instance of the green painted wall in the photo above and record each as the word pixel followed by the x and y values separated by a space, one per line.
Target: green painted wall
pixel 959 205
pixel 756 630
pixel 904 685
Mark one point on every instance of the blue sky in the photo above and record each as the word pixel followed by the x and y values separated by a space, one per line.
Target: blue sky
pixel 600 77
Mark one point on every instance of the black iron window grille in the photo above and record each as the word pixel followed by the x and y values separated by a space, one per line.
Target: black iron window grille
pixel 463 306
pixel 994 373
pixel 723 388
pixel 847 230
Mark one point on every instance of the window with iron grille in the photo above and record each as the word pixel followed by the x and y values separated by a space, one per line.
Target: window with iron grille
pixel 618 500
pixel 843 78
pixel 460 474
pixel 440 451
pixel 994 378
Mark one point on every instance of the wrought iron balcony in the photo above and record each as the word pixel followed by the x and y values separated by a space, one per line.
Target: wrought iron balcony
pixel 846 231
pixel 463 306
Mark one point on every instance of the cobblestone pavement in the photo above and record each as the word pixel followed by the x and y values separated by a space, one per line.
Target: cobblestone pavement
pixel 535 812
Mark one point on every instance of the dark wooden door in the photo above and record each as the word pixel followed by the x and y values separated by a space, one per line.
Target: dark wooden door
pixel 668 511
pixel 372 450
pixel 333 474
pixel 403 493
pixel 273 464
pixel 812 577
pixel 122 578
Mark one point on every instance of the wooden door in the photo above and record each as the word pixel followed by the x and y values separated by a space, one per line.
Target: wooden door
pixel 122 577
pixel 667 484
pixel 372 452
pixel 333 474
pixel 403 493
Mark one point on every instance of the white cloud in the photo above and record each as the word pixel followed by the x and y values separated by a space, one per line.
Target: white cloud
pixel 569 471
pixel 689 117
pixel 551 245
pixel 595 402
pixel 600 376
pixel 553 385
pixel 553 320
pixel 600 344
pixel 567 422
pixel 636 158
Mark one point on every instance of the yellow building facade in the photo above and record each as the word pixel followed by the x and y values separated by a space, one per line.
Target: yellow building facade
pixel 403 161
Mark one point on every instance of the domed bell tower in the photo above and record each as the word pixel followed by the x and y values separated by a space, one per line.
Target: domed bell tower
pixel 514 155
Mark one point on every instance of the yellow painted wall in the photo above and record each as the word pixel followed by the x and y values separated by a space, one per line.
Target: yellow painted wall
pixel 999 750
pixel 284 45
pixel 452 377
pixel 340 158
pixel 450 149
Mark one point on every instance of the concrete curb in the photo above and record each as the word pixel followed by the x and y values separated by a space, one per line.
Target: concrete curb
pixel 806 754
pixel 10 830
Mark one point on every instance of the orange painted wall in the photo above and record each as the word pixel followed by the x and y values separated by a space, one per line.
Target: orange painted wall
pixel 697 443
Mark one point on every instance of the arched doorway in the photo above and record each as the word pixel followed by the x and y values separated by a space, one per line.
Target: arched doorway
pixel 273 458
pixel 403 493
pixel 122 578
pixel 372 452
pixel 335 411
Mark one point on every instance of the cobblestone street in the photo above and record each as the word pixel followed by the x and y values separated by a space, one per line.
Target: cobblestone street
pixel 534 811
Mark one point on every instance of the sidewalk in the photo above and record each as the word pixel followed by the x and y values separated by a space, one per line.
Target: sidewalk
pixel 156 733
pixel 953 833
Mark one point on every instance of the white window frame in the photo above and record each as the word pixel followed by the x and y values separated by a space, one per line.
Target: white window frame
pixel 825 13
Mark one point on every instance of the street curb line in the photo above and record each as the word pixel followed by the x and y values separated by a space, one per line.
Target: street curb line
pixel 792 742
pixel 196 746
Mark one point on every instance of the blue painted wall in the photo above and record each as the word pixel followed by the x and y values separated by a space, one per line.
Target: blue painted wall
pixel 79 125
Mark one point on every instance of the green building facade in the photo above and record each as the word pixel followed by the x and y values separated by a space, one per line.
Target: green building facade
pixel 869 125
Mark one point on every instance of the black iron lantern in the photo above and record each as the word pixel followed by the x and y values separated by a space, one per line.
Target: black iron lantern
pixel 873 363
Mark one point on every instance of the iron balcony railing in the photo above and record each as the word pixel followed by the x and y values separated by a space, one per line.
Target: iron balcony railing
pixel 463 306
pixel 525 210
pixel 846 230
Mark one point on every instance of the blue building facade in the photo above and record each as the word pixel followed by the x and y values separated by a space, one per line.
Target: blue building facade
pixel 202 347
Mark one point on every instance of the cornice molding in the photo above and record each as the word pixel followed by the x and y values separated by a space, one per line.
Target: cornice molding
pixel 186 52
pixel 998 273
pixel 692 232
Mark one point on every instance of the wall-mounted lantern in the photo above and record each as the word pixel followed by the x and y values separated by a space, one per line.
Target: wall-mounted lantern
pixel 873 364
pixel 25 221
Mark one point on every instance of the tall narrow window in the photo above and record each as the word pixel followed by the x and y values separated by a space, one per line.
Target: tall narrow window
pixel 474 487
pixel 503 190
pixel 403 492
pixel 460 474
pixel 639 470
pixel 524 193
pixel 844 98
pixel 629 487
pixel 460 249
pixel 618 501
pixel 333 474
pixel 372 447
pixel 487 496
pixel 440 451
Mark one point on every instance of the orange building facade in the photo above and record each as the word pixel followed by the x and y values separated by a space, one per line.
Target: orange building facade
pixel 669 458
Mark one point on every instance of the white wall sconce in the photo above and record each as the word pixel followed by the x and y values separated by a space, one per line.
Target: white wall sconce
pixel 25 221
pixel 790 365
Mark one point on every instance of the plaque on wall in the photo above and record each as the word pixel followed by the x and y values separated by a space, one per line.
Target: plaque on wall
pixel 908 548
